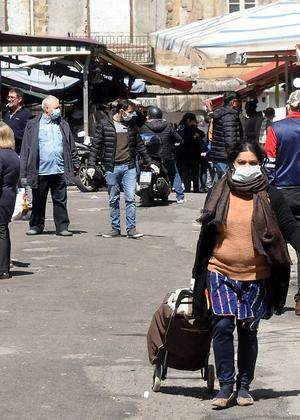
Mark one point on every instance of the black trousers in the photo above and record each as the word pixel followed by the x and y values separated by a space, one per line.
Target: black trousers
pixel 189 173
pixel 58 188
pixel 4 249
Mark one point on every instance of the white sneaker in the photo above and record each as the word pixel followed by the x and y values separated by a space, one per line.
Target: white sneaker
pixel 180 201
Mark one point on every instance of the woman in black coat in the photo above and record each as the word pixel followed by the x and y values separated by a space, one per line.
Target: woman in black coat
pixel 189 152
pixel 9 176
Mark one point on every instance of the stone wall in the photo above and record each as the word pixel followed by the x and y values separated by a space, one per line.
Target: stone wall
pixel 110 16
pixel 67 16
pixel 18 18
pixel 41 17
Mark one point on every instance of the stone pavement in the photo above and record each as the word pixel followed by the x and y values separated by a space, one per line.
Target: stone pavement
pixel 74 324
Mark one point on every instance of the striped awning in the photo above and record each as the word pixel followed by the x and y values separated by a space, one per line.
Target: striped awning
pixel 270 27
pixel 24 45
pixel 39 50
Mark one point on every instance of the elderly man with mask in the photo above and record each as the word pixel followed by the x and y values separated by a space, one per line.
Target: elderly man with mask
pixel 49 161
pixel 116 143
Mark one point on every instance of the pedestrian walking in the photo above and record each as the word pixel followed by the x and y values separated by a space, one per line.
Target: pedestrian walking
pixel 170 139
pixel 49 160
pixel 283 169
pixel 242 257
pixel 226 131
pixel 189 152
pixel 116 143
pixel 17 116
pixel 9 172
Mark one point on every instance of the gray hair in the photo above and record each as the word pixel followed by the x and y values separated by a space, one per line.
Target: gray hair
pixel 47 99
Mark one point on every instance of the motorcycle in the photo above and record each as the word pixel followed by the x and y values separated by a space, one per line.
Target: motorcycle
pixel 152 187
pixel 83 182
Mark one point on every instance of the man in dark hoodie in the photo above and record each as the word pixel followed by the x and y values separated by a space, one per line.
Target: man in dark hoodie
pixel 169 139
pixel 227 130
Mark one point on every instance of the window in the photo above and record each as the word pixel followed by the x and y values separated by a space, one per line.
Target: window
pixel 237 5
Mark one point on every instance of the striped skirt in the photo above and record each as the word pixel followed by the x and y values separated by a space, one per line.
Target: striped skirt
pixel 245 300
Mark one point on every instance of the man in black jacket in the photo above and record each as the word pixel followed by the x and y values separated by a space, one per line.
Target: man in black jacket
pixel 169 140
pixel 48 161
pixel 116 143
pixel 17 116
pixel 227 130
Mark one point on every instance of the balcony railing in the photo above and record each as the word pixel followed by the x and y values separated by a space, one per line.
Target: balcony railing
pixel 135 48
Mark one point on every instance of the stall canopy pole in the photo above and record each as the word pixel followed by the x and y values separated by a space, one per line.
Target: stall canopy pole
pixel 86 95
pixel 286 77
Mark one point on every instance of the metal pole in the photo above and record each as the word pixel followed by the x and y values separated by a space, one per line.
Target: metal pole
pixel 88 18
pixel 31 16
pixel 85 93
pixel 286 79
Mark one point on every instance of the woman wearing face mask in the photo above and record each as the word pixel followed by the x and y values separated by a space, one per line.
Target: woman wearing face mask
pixel 242 259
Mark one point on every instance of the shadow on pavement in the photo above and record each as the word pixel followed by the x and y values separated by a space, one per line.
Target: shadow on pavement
pixel 289 309
pixel 202 393
pixel 269 393
pixel 52 232
pixel 193 391
pixel 21 273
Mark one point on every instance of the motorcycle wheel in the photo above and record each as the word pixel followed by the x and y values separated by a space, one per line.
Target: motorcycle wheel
pixel 83 182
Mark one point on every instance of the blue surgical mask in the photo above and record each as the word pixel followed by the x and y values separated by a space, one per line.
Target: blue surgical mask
pixel 56 113
pixel 246 173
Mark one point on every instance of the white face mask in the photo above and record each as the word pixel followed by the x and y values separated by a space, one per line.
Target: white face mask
pixel 246 173
pixel 127 116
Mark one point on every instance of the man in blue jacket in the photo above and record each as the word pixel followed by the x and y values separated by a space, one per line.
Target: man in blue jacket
pixel 283 167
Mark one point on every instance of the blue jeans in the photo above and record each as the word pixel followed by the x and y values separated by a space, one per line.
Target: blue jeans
pixel 177 185
pixel 220 169
pixel 122 178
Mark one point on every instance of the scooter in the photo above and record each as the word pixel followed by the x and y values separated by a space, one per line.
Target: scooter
pixel 83 182
pixel 151 187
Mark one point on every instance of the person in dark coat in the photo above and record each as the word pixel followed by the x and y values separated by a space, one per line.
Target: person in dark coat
pixel 227 130
pixel 253 122
pixel 189 152
pixel 49 160
pixel 9 173
pixel 17 116
pixel 116 143
pixel 155 124
pixel 242 259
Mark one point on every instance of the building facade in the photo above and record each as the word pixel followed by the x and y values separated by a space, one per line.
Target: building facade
pixel 129 17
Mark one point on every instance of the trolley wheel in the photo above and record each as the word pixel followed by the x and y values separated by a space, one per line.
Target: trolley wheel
pixel 157 378
pixel 211 378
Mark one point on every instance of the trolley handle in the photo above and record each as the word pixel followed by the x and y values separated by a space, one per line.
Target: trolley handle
pixel 183 294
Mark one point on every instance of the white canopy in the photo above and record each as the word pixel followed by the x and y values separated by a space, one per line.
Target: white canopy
pixel 35 78
pixel 271 27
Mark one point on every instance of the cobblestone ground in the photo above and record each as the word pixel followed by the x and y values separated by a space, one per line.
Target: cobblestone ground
pixel 74 324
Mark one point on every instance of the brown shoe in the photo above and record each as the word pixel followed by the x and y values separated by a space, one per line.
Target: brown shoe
pixel 223 398
pixel 297 307
pixel 244 398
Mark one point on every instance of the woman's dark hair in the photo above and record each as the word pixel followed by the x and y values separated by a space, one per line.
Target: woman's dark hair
pixel 240 147
pixel 188 116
